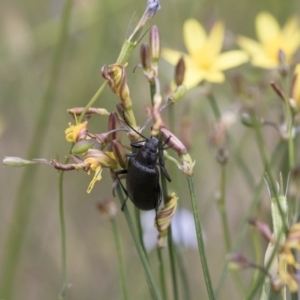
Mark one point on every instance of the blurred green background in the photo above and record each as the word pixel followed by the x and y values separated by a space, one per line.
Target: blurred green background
pixel 28 37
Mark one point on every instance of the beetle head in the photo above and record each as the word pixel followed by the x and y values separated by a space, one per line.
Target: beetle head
pixel 149 152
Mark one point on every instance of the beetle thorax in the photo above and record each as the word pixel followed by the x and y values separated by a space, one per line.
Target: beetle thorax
pixel 148 153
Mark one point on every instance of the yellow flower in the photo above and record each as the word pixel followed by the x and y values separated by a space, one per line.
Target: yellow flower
pixel 272 38
pixel 76 132
pixel 204 60
pixel 95 160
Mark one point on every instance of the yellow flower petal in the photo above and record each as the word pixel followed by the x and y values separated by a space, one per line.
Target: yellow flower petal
pixel 259 56
pixel 171 56
pixel 285 276
pixel 230 59
pixel 96 177
pixel 264 61
pixel 214 76
pixel 74 130
pixel 192 77
pixel 203 61
pixel 291 28
pixel 216 38
pixel 267 27
pixel 251 46
pixel 291 34
pixel 194 35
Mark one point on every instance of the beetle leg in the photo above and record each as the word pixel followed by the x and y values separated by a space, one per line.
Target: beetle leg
pixel 164 170
pixel 158 204
pixel 161 163
pixel 166 141
pixel 137 144
pixel 122 186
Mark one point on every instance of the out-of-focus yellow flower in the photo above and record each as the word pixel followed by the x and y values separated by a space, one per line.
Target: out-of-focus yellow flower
pixel 272 38
pixel 204 60
pixel 286 259
pixel 76 132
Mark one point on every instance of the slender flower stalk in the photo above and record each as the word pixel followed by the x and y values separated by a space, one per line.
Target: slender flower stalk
pixel 25 191
pixel 128 46
pixel 150 278
pixel 109 209
pixel 250 211
pixel 201 246
pixel 121 262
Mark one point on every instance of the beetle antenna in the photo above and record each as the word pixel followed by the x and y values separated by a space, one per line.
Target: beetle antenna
pixel 125 120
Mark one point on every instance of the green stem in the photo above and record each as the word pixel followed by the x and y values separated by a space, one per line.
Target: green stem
pixel 267 165
pixel 214 105
pixel 121 262
pixel 244 223
pixel 162 273
pixel 171 118
pixel 289 124
pixel 240 161
pixel 172 263
pixel 262 275
pixel 183 275
pixel 25 198
pixel 224 218
pixel 63 237
pixel 152 91
pixel 126 51
pixel 141 253
pixel 92 101
pixel 222 209
pixel 201 246
pixel 258 256
pixel 170 239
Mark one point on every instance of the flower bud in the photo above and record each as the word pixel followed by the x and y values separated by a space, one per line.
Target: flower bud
pixel 114 123
pixel 263 228
pixel 92 110
pixel 179 71
pixel 187 165
pixel 238 261
pixel 83 146
pixel 154 42
pixel 153 6
pixel 222 156
pixel 145 57
pixel 277 89
pixel 246 119
pixel 12 161
pixel 173 142
pixel 120 153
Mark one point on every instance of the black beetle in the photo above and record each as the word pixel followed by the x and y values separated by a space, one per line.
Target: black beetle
pixel 142 181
